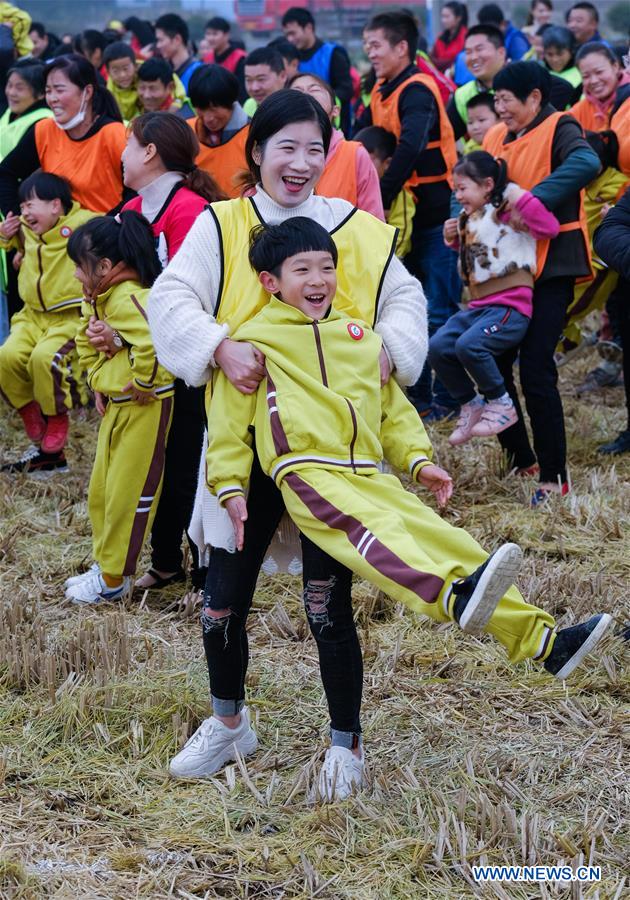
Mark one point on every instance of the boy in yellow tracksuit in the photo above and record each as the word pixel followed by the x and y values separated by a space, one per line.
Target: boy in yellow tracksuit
pixel 117 263
pixel 38 374
pixel 323 424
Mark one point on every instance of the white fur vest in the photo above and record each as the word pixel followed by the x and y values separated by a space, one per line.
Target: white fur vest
pixel 492 255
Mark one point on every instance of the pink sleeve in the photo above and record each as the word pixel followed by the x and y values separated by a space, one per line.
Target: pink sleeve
pixel 368 186
pixel 540 222
pixel 181 219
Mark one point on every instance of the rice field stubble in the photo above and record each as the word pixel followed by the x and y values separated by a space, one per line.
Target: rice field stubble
pixel 471 760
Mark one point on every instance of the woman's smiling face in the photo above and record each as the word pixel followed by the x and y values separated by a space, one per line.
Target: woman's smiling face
pixel 291 162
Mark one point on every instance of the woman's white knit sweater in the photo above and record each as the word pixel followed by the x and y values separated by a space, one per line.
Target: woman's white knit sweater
pixel 186 334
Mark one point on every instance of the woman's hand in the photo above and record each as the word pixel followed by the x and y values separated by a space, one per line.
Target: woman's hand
pixel 242 363
pixel 10 227
pixel 237 511
pixel 101 337
pixel 385 366
pixel 438 481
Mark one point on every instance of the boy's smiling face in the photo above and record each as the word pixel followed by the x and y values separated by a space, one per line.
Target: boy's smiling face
pixel 40 215
pixel 307 281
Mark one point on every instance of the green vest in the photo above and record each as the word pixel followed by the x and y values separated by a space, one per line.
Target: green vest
pixel 12 132
pixel 572 75
pixel 463 95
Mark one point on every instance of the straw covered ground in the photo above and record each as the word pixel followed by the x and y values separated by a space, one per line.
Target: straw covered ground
pixel 471 760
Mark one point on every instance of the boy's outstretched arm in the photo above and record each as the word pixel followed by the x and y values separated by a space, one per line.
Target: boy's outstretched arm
pixel 230 453
pixel 406 444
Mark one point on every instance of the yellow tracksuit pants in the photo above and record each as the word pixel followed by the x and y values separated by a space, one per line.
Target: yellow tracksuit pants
pixel 587 297
pixel 386 535
pixel 126 481
pixel 38 360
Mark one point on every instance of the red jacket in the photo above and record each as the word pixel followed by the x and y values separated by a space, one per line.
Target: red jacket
pixel 175 219
pixel 443 54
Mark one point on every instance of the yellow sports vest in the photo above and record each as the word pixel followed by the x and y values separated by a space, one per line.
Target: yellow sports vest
pixel 365 245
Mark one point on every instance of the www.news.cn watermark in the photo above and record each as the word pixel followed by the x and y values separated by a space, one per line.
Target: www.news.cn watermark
pixel 537 873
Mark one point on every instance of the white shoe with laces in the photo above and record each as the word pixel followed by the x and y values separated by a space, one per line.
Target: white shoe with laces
pixel 92 590
pixel 341 774
pixel 75 579
pixel 212 746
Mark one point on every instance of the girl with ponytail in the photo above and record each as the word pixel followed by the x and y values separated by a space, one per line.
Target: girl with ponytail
pixel 498 265
pixel 116 264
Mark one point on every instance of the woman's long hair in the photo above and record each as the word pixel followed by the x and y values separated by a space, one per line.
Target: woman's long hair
pixel 177 146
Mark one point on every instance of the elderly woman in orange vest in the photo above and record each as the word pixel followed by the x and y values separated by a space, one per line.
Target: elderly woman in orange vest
pixel 546 154
pixel 221 126
pixel 349 172
pixel 83 142
pixel 603 79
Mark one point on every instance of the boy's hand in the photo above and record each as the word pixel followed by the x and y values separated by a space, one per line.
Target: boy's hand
pixel 449 231
pixel 141 397
pixel 101 337
pixel 100 401
pixel 237 510
pixel 10 226
pixel 438 481
pixel 242 363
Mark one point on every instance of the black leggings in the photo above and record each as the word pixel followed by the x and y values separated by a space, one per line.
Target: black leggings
pixel 327 585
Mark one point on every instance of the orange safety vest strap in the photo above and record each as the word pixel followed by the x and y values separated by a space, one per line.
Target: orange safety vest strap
pixel 225 162
pixel 620 124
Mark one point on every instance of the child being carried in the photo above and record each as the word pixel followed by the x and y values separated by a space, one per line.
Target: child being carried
pixel 498 265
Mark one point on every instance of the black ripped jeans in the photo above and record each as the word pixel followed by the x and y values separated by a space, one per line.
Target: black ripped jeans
pixel 230 585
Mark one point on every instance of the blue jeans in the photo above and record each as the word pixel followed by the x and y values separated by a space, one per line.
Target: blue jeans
pixel 435 266
pixel 463 351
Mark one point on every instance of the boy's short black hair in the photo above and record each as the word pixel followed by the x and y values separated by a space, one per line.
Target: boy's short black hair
pixel 286 49
pixel 397 25
pixel 377 140
pixel 490 14
pixel 494 34
pixel 266 56
pixel 271 245
pixel 300 16
pixel 46 186
pixel 156 69
pixel 172 24
pixel 118 50
pixel 218 23
pixel 483 98
pixel 39 28
pixel 212 85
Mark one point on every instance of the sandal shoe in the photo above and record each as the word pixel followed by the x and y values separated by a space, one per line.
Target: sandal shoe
pixel 160 582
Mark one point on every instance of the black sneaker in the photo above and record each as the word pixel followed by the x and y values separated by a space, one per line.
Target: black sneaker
pixel 621 444
pixel 477 596
pixel 574 643
pixel 37 463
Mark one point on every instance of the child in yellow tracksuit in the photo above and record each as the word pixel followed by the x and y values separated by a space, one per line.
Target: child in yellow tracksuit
pixel 323 424
pixel 116 264
pixel 38 374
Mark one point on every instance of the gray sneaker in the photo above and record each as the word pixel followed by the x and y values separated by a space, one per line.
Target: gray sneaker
pixel 607 374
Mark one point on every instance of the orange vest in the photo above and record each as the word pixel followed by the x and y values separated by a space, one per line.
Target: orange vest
pixel 92 166
pixel 586 114
pixel 339 178
pixel 528 160
pixel 385 114
pixel 225 162
pixel 620 124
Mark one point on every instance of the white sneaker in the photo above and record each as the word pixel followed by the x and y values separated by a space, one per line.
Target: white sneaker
pixel 212 746
pixel 341 774
pixel 74 579
pixel 92 589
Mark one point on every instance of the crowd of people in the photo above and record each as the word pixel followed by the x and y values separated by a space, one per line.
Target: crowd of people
pixel 268 272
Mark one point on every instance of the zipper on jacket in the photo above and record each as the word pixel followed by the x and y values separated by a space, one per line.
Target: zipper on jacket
pixel 353 416
pixel 39 280
pixel 320 353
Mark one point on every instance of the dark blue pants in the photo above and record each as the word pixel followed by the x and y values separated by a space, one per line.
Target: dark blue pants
pixel 463 351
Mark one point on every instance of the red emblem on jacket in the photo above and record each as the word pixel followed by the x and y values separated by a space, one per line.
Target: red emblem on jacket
pixel 355 331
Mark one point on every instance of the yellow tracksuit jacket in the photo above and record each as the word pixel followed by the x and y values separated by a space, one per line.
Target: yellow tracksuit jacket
pixel 127 475
pixel 38 359
pixel 323 424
